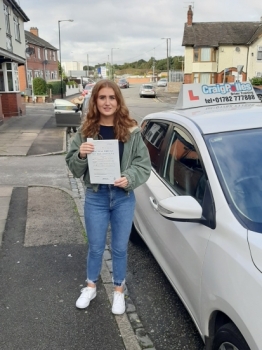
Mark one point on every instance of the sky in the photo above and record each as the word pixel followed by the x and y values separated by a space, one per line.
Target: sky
pixel 124 31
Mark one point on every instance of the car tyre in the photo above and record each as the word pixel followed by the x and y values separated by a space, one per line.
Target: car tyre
pixel 228 337
pixel 140 96
pixel 134 236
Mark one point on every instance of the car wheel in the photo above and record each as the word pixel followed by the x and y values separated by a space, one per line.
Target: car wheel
pixel 228 337
pixel 134 236
pixel 140 96
pixel 260 97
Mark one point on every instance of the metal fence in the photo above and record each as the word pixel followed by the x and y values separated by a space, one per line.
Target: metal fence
pixel 176 76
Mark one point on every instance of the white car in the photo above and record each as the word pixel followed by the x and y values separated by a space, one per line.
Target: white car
pixel 200 212
pixel 162 82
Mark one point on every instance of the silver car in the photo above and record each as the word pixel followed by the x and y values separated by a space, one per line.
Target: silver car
pixel 147 90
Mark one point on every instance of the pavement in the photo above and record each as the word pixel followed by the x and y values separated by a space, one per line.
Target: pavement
pixel 43 248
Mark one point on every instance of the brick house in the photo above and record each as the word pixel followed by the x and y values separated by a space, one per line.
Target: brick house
pixel 12 55
pixel 41 60
pixel 214 51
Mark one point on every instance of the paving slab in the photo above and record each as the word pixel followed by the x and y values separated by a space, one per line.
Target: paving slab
pixel 50 216
pixel 15 150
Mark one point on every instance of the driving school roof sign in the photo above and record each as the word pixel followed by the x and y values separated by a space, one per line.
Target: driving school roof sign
pixel 202 95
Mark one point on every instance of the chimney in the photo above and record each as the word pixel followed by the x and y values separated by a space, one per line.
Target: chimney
pixel 189 16
pixel 34 30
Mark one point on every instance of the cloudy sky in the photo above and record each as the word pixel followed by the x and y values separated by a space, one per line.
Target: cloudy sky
pixel 134 27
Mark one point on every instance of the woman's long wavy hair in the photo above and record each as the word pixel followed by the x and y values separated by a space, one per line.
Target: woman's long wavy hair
pixel 122 119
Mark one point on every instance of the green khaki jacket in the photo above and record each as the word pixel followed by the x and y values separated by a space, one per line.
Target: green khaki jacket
pixel 135 163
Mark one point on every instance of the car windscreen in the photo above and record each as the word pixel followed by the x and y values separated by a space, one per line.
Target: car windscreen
pixel 237 159
pixel 150 87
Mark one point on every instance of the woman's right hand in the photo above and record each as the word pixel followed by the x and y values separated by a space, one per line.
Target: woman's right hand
pixel 86 148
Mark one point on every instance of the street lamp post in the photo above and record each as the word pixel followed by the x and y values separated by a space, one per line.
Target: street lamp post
pixel 167 56
pixel 113 48
pixel 61 75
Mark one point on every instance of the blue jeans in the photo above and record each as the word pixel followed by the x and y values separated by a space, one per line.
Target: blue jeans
pixel 112 205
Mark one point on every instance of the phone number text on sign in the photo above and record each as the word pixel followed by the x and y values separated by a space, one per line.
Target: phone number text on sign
pixel 236 98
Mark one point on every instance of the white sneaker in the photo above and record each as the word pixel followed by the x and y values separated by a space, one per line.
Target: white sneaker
pixel 119 305
pixel 87 294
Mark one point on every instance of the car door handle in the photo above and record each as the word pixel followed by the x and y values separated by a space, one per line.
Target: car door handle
pixel 153 202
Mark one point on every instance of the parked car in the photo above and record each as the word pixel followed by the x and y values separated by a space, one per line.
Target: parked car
pixel 67 114
pixel 147 90
pixel 123 83
pixel 88 89
pixel 200 211
pixel 258 92
pixel 162 82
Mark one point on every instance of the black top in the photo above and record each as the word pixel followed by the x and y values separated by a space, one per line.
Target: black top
pixel 107 133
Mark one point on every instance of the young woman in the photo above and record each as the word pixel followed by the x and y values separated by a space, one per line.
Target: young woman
pixel 108 118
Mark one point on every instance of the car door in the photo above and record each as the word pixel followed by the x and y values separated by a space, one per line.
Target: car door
pixel 179 247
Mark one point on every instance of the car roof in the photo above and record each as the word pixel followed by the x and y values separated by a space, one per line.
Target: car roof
pixel 215 119
pixel 61 102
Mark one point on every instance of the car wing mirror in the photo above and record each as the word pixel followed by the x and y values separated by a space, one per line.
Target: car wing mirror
pixel 180 208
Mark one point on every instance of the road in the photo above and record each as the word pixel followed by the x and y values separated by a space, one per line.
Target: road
pixel 158 306
pixel 140 107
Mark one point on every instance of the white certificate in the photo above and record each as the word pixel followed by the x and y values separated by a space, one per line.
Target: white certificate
pixel 103 162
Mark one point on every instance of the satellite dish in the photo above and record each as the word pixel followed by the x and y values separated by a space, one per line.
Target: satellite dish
pixel 30 50
pixel 237 49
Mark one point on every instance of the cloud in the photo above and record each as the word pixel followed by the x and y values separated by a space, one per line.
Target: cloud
pixel 135 27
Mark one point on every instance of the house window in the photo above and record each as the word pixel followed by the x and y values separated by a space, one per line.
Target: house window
pixel 54 55
pixel 39 53
pixel 55 75
pixel 7 22
pixel 29 77
pixel 47 75
pixel 259 53
pixel 37 73
pixel 9 77
pixel 46 55
pixel 204 78
pixel 2 82
pixel 204 54
pixel 12 76
pixel 17 28
pixel 9 46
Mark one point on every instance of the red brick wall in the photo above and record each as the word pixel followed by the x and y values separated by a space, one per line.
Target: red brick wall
pixel 12 104
pixel 188 79
pixel 230 78
pixel 138 80
pixel 22 78
pixel 35 63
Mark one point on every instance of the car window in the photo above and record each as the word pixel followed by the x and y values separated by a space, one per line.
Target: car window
pixel 153 134
pixel 237 159
pixel 183 170
pixel 148 86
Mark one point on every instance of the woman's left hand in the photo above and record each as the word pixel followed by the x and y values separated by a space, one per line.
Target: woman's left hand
pixel 122 182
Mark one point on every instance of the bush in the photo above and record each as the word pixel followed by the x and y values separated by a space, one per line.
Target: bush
pixel 55 86
pixel 256 81
pixel 71 83
pixel 39 85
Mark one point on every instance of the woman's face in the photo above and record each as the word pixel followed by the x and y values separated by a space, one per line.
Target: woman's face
pixel 106 102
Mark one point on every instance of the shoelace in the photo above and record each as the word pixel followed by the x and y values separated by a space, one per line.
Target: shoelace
pixel 118 297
